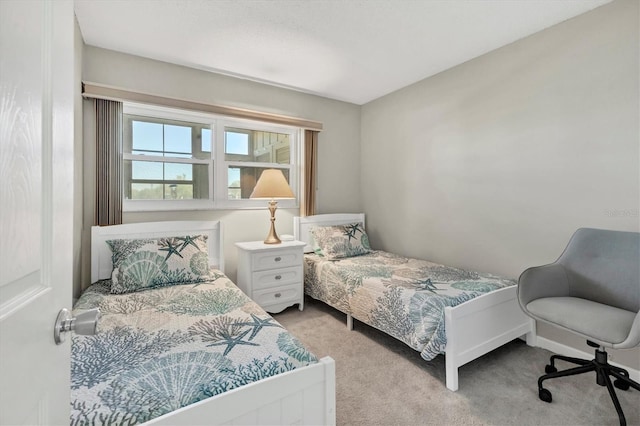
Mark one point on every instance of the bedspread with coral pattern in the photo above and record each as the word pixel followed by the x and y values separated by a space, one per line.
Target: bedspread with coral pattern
pixel 162 349
pixel 402 297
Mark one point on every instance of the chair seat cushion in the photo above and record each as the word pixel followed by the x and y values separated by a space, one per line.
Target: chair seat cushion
pixel 602 323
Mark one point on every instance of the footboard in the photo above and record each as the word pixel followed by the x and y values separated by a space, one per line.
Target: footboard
pixel 304 396
pixel 480 325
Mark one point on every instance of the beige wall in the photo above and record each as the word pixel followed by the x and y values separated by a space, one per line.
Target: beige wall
pixel 338 178
pixel 496 162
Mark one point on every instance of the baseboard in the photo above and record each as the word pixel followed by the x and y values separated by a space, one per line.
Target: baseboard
pixel 559 348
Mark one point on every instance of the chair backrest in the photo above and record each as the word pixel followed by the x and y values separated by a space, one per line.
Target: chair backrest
pixel 604 266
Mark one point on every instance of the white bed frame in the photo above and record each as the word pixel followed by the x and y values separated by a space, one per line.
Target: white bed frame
pixel 472 328
pixel 304 396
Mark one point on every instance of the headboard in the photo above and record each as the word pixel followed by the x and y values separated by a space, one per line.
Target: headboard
pixel 101 266
pixel 302 225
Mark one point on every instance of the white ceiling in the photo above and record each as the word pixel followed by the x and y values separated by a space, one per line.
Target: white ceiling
pixel 350 50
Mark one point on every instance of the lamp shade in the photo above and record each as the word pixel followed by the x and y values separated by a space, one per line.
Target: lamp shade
pixel 272 184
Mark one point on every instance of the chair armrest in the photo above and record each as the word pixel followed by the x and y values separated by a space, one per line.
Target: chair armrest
pixel 542 281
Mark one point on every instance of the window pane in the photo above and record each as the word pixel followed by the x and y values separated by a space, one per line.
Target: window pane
pixel 242 180
pixel 147 170
pixel 236 143
pixel 146 180
pixel 266 147
pixel 205 139
pixel 178 192
pixel 147 136
pixel 177 139
pixel 234 177
pixel 178 171
pixel 234 183
pixel 146 191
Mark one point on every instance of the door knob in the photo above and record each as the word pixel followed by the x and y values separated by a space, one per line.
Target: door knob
pixel 84 323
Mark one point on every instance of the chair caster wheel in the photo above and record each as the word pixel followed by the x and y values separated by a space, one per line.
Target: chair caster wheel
pixel 621 384
pixel 544 395
pixel 550 369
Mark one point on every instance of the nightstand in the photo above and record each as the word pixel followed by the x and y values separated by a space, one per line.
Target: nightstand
pixel 272 274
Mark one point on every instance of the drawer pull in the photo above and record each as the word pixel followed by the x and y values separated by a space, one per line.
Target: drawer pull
pixel 277 295
pixel 278 259
pixel 278 277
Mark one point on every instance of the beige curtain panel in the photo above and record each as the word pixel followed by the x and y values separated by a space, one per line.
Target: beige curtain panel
pixel 308 206
pixel 108 162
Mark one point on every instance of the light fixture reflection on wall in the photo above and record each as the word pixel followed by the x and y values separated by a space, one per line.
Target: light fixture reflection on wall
pixel 271 185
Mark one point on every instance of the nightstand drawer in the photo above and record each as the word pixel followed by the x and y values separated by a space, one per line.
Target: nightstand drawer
pixel 277 277
pixel 279 259
pixel 277 295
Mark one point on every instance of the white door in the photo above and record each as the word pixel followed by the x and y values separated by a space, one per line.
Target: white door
pixel 36 207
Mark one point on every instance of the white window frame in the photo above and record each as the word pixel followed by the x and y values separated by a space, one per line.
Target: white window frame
pixel 217 166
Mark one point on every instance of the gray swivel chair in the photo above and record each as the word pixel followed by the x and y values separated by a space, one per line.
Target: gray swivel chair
pixel 592 290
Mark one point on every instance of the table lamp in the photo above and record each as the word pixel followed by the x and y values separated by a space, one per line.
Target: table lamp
pixel 271 185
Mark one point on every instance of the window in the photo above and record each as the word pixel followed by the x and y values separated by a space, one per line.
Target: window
pixel 174 160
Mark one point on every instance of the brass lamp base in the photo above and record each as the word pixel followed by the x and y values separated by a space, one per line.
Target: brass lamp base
pixel 272 238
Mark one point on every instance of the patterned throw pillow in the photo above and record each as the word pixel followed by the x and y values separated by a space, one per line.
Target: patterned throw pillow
pixel 146 263
pixel 340 241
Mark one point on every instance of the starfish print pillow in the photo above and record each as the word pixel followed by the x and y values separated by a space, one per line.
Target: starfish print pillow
pixel 139 264
pixel 341 241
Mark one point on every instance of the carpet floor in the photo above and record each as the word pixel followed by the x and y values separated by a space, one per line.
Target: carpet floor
pixel 381 381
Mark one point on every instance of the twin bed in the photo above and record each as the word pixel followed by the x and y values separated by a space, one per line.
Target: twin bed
pixel 179 343
pixel 434 309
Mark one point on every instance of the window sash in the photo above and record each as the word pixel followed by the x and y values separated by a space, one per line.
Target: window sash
pixel 222 201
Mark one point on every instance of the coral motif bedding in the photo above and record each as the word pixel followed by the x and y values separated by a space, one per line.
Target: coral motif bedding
pixel 161 349
pixel 400 296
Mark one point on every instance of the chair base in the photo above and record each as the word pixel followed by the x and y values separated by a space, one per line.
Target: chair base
pixel 603 370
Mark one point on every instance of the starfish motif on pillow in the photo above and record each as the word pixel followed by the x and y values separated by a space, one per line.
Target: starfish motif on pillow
pixel 170 249
pixel 351 230
pixel 189 240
